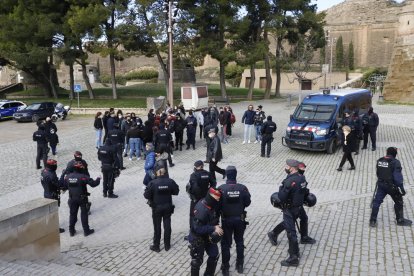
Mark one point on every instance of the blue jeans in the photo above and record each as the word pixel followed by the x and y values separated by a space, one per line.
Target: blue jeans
pixel 134 146
pixel 247 132
pixel 258 133
pixel 98 140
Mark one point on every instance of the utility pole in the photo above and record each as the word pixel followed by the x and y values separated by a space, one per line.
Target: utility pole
pixel 170 55
pixel 331 41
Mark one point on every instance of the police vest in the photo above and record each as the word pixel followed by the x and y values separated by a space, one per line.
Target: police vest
pixel 200 188
pixel 269 128
pixel 385 170
pixel 115 137
pixel 232 201
pixel 76 185
pixel 49 182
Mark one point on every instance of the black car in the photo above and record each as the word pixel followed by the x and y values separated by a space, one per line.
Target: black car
pixel 35 112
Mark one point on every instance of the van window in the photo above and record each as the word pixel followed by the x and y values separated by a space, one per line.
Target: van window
pixel 314 112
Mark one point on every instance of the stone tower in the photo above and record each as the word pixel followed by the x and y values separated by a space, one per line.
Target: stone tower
pixel 399 85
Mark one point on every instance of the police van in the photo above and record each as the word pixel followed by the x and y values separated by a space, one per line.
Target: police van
pixel 315 124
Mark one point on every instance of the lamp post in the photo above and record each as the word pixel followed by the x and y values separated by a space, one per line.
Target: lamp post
pixel 170 55
pixel 331 41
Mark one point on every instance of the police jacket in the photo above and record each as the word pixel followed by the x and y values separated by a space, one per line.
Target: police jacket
pixel 40 137
pixel 50 183
pixel 162 137
pixel 370 120
pixel 268 128
pixel 389 172
pixel 234 199
pixel 200 182
pixel 357 123
pixel 259 118
pixel 248 117
pixel 204 218
pixel 108 157
pixel 116 136
pixel 70 168
pixel 191 123
pixel 160 191
pixel 214 150
pixel 292 191
pixel 76 184
pixel 110 123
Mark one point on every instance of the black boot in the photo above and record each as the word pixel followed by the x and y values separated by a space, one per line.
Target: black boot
pixel 293 260
pixel 239 266
pixel 61 230
pixel 155 248
pixel 211 268
pixel 272 238
pixel 88 232
pixel 401 221
pixel 72 232
pixel 305 239
pixel 373 219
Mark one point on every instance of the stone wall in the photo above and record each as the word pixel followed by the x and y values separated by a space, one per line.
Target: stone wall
pixel 30 230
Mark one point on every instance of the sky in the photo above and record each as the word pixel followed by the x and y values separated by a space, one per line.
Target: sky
pixel 325 4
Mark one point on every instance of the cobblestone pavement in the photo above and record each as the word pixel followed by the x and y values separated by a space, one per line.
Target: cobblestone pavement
pixel 346 244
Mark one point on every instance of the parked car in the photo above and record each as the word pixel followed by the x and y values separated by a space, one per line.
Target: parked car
pixel 8 108
pixel 35 112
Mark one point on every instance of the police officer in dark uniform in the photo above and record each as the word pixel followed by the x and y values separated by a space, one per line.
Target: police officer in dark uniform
pixel 163 140
pixel 50 183
pixel 197 188
pixel 303 217
pixel 40 137
pixel 370 122
pixel 117 138
pixel 390 182
pixel 179 132
pixel 267 136
pixel 76 184
pixel 205 233
pixel 159 193
pixel 357 128
pixel 191 125
pixel 109 158
pixel 234 199
pixel 292 195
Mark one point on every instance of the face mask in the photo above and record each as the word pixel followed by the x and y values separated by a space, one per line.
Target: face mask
pixel 211 135
pixel 120 116
pixel 287 171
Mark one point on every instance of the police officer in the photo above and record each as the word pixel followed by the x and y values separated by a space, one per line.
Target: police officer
pixel 267 136
pixel 107 154
pixel 204 232
pixel 163 140
pixel 40 137
pixel 179 131
pixel 50 183
pixel 234 199
pixel 292 195
pixel 303 217
pixel 370 122
pixel 76 184
pixel 357 125
pixel 200 181
pixel 191 125
pixel 159 194
pixel 117 138
pixel 390 182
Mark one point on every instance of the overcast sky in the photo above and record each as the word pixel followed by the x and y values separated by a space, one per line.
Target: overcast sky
pixel 325 4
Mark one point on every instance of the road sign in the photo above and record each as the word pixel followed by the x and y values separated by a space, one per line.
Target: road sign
pixel 77 88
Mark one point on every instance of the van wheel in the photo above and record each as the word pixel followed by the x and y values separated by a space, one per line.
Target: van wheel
pixel 35 118
pixel 332 147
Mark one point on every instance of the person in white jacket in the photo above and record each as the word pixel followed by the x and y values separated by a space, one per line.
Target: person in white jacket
pixel 200 119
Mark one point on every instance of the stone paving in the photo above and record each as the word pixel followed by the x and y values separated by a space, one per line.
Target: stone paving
pixel 346 244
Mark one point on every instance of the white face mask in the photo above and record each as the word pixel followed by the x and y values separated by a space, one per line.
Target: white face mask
pixel 120 116
pixel 211 135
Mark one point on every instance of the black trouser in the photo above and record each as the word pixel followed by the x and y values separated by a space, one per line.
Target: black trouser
pixel 197 248
pixel 303 217
pixel 179 139
pixel 372 131
pixel 192 205
pixel 345 156
pixel 105 134
pixel 358 144
pixel 191 133
pixel 266 140
pixel 164 216
pixel 74 205
pixel 213 168
pixel 201 131
pixel 382 191
pixel 42 150
pixel 228 129
pixel 232 225
pixel 53 148
pixel 108 179
pixel 289 218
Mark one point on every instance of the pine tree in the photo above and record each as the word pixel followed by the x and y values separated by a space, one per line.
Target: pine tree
pixel 351 65
pixel 339 53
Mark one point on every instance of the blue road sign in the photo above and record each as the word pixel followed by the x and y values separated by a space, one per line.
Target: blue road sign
pixel 77 88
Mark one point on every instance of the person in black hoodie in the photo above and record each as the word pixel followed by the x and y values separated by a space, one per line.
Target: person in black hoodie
pixel 348 146
pixel 105 124
pixel 179 132
pixel 248 120
pixel 98 125
pixel 134 137
pixel 52 137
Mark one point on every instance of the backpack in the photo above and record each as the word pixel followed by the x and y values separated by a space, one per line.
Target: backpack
pixel 232 118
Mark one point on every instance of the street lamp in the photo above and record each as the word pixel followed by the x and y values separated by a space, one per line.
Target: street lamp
pixel 169 12
pixel 330 41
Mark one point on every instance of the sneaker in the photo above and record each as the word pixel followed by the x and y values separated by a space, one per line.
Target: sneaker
pixel 130 159
pixel 339 169
pixel 256 142
pixel 172 165
pixel 249 142
pixel 291 261
pixel 112 196
pixel 351 168
pixel 39 167
pixel 138 158
pixel 404 222
pixel 364 148
pixel 89 232
pixel 125 155
pixel 244 142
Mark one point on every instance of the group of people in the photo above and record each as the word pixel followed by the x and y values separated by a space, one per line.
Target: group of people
pixel 217 214
pixel 46 136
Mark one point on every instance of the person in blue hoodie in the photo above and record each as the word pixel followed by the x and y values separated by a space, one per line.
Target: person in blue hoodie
pixel 149 163
pixel 248 121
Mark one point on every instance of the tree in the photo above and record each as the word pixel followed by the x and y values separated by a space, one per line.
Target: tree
pixel 289 20
pixel 29 31
pixel 351 56
pixel 339 53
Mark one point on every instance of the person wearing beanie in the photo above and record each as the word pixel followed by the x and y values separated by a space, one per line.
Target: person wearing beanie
pixel 370 122
pixel 390 182
pixel 233 202
pixel 205 223
pixel 191 126
pixel 267 136
pixel 259 117
pixel 40 137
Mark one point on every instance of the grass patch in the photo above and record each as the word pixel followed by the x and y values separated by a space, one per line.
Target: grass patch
pixel 394 103
pixel 86 103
